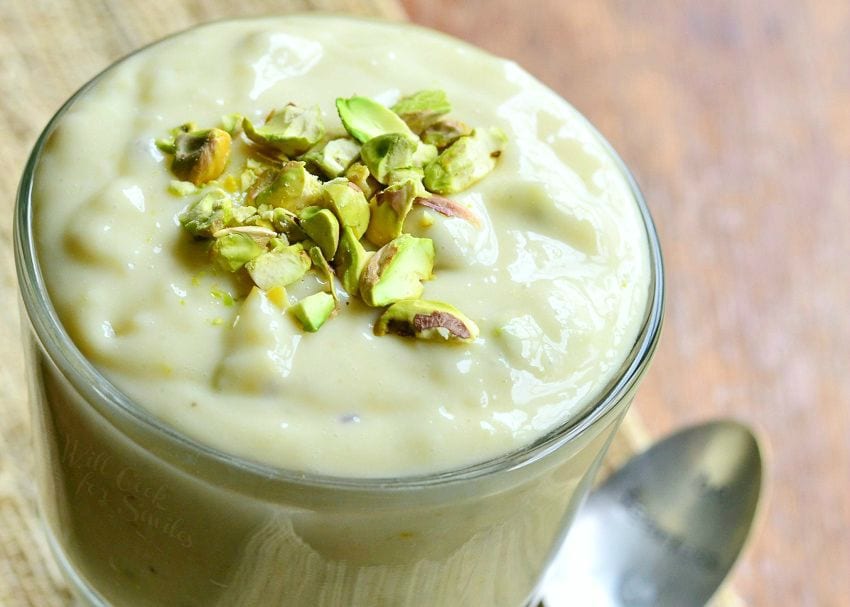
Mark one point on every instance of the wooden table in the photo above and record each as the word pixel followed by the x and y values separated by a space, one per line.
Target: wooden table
pixel 735 118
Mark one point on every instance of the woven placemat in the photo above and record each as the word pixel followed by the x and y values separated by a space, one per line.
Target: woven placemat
pixel 49 48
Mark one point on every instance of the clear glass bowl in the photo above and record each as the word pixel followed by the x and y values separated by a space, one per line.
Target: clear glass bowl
pixel 139 514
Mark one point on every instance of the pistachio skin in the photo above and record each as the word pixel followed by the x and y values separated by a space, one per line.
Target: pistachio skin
pixel 428 320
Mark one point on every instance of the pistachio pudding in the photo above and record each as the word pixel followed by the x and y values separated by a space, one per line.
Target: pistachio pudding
pixel 325 312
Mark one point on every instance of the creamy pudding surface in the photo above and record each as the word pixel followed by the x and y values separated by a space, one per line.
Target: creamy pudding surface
pixel 556 273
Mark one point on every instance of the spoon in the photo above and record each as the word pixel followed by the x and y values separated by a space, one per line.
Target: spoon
pixel 666 528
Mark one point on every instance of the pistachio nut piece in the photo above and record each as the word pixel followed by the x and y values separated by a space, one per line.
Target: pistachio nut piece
pixel 365 118
pixel 448 207
pixel 200 156
pixel 208 215
pixel 314 310
pixel 385 153
pixel 232 123
pixel 425 153
pixel 350 260
pixel 464 162
pixel 396 271
pixel 358 174
pixel 322 226
pixel 348 203
pixel 293 188
pixel 324 269
pixel 432 320
pixel 279 267
pixel 286 222
pixel 234 250
pixel 335 157
pixel 422 109
pixel 445 132
pixel 389 208
pixel 292 130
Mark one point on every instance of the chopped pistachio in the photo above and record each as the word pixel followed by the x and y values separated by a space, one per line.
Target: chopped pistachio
pixel 280 267
pixel 358 174
pixel 422 319
pixel 208 215
pixel 314 310
pixel 200 156
pixel 182 188
pixel 293 188
pixel 389 208
pixel 243 214
pixel 260 234
pixel 365 118
pixel 292 130
pixel 448 207
pixel 396 271
pixel 278 242
pixel 165 145
pixel 466 161
pixel 286 223
pixel 322 226
pixel 385 153
pixel 445 132
pixel 232 251
pixel 350 260
pixel 424 154
pixel 335 157
pixel 422 109
pixel 318 258
pixel 348 203
pixel 232 123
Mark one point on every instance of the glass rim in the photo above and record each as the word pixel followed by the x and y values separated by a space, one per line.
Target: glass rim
pixel 85 378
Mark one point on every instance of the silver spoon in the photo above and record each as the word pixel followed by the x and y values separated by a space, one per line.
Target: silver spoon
pixel 666 528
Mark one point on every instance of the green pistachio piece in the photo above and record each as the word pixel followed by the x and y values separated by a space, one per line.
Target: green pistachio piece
pixel 422 109
pixel 286 222
pixel 233 250
pixel 358 174
pixel 396 271
pixel 260 234
pixel 445 132
pixel 322 266
pixel 348 203
pixel 181 188
pixel 292 130
pixel 232 123
pixel 424 154
pixel 242 215
pixel 200 156
pixel 433 320
pixel 314 310
pixel 365 119
pixel 322 226
pixel 389 208
pixel 335 157
pixel 293 188
pixel 279 267
pixel 464 162
pixel 385 153
pixel 208 215
pixel 350 260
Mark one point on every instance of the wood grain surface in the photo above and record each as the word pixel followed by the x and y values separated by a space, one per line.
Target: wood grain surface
pixel 735 118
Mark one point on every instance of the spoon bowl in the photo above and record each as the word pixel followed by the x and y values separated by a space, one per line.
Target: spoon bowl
pixel 666 528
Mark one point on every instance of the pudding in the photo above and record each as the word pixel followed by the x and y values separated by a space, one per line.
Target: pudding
pixel 225 453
